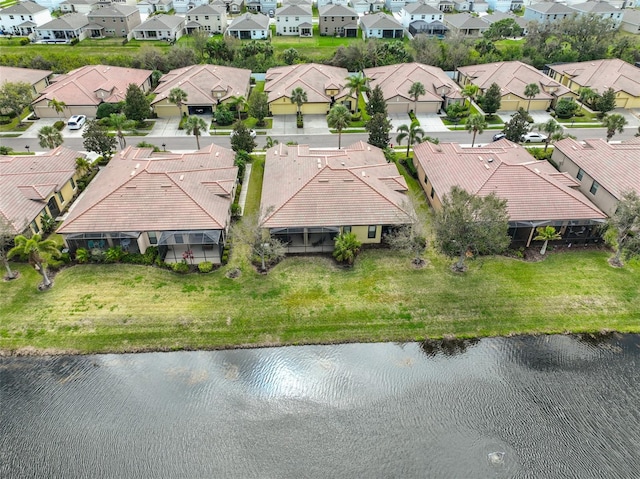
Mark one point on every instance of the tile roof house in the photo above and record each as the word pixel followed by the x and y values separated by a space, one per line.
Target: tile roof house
pixel 22 18
pixel 338 20
pixel 160 27
pixel 115 20
pixel 512 78
pixel 630 21
pixel 547 12
pixel 604 171
pixel 210 18
pixel 206 86
pixel 312 195
pixel 249 26
pixel 599 75
pixel 324 85
pixel 396 80
pixel 465 24
pixel 38 79
pixel 381 25
pixel 31 186
pixel 536 194
pixel 86 87
pixel 178 202
pixel 294 20
pixel 64 29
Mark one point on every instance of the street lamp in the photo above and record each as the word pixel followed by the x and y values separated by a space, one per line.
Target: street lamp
pixel 27 147
pixel 164 147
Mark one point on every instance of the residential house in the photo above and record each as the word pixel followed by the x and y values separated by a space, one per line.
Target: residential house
pixel 116 20
pixel 547 12
pixel 38 79
pixel 309 196
pixel 477 6
pixel 446 6
pixel 147 7
pixel 51 5
pixel 367 6
pixel 338 20
pixel 294 20
pixel 381 25
pixel 180 203
pixel 322 3
pixel 85 88
pixel 22 18
pixel 505 5
pixel 232 6
pixel 249 26
pixel 396 81
pixel 604 171
pixel 206 87
pixel 34 186
pixel 263 6
pixel 465 24
pixel 536 194
pixel 325 85
pixel 64 29
pixel 420 11
pixel 160 27
pixel 512 78
pixel 210 18
pixel 600 75
pixel 79 6
pixel 395 5
pixel 630 21
pixel 183 6
pixel 498 16
pixel 600 9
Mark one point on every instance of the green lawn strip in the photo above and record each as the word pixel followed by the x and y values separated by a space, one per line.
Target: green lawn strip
pixel 98 308
pixel 255 186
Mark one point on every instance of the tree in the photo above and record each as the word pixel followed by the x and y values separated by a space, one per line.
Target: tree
pixel 357 84
pixel 259 106
pixel 299 96
pixel 586 95
pixel 376 102
pixel 195 125
pixel 241 138
pixel 413 133
pixel 178 97
pixel 491 99
pixel 379 127
pixel 37 251
pixel 50 137
pixel 290 56
pixel 530 91
pixel 468 224
pixel 346 248
pixel 606 102
pixel 220 49
pixel 180 57
pixel 57 105
pixel 517 126
pixel 549 128
pixel 614 123
pixel 475 124
pixel 248 235
pixel 223 115
pixel 136 106
pixel 96 139
pixel 416 90
pixel 338 119
pixel 199 39
pixel 120 123
pixel 6 238
pixel 624 226
pixel 470 91
pixel 546 234
pixel 410 238
pixel 270 142
pixel 15 97
pixel 238 102
pixel 504 28
pixel 82 165
pixel 566 107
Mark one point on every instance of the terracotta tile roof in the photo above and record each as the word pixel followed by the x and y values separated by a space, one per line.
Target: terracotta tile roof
pixel 306 187
pixel 313 78
pixel 396 80
pixel 599 75
pixel 22 75
pixel 26 181
pixel 533 189
pixel 616 167
pixel 144 191
pixel 198 81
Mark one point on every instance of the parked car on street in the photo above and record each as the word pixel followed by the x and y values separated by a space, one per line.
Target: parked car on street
pixel 499 136
pixel 533 138
pixel 76 122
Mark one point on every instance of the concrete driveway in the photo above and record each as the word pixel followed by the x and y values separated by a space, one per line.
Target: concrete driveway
pixel 539 116
pixel 286 125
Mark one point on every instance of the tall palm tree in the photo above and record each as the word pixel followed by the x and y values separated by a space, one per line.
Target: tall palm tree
pixel 585 94
pixel 551 128
pixel 614 123
pixel 338 119
pixel 82 165
pixel 299 96
pixel 357 84
pixel 475 124
pixel 178 97
pixel 416 90
pixel 195 125
pixel 238 102
pixel 413 133
pixel 58 105
pixel 531 90
pixel 50 137
pixel 470 91
pixel 546 234
pixel 119 122
pixel 37 250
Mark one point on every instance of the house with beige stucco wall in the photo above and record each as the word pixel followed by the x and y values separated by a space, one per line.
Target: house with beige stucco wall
pixel 38 79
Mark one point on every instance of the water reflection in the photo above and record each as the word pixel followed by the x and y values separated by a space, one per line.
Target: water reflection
pixel 447 347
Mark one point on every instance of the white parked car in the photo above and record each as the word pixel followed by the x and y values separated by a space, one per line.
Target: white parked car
pixel 251 132
pixel 533 138
pixel 76 122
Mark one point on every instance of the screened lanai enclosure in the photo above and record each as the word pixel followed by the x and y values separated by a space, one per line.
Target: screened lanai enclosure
pixel 192 246
pixel 307 240
pixel 576 232
pixel 128 241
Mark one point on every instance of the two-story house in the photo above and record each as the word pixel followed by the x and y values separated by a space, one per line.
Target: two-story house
pixel 600 9
pixel 22 18
pixel 422 18
pixel 116 20
pixel 547 12
pixel 338 20
pixel 183 6
pixel 367 6
pixel 263 6
pixel 505 5
pixel 79 6
pixel 210 18
pixel 294 20
pixel 249 26
pixel 381 25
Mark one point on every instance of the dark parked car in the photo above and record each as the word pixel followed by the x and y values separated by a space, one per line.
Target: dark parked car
pixel 499 136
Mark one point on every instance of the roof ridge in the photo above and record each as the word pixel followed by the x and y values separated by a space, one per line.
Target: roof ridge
pixel 190 196
pixel 374 188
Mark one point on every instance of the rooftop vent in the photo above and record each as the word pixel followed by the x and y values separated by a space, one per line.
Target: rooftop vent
pixel 133 172
pixel 364 174
pixel 489 160
pixel 181 177
pixel 137 166
pixel 487 166
pixel 217 153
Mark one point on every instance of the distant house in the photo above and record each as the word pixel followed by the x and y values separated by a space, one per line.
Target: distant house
pixel 32 186
pixel 294 20
pixel 232 6
pixel 206 87
pixel 512 78
pixel 310 196
pixel 116 20
pixel 603 170
pixel 396 81
pixel 249 26
pixel 79 6
pixel 367 6
pixel 338 20
pixel 547 12
pixel 160 27
pixel 22 18
pixel 322 3
pixel 183 6
pixel 381 25
pixel 465 24
pixel 38 79
pixel 180 203
pixel 155 6
pixel 325 86
pixel 85 88
pixel 64 29
pixel 395 5
pixel 631 21
pixel 263 6
pixel 477 6
pixel 498 16
pixel 420 11
pixel 505 5
pixel 211 19
pixel 600 9
pixel 536 194
pixel 600 75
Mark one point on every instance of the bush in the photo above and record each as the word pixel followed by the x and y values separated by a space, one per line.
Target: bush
pixel 74 41
pixel 5 150
pixel 540 154
pixel 411 169
pixel 236 210
pixel 225 254
pixel 566 108
pixel 82 256
pixel 115 254
pixel 59 125
pixel 223 116
pixel 24 41
pixel 180 268
pixel 300 122
pixel 106 109
pixel 205 267
pixel 5 120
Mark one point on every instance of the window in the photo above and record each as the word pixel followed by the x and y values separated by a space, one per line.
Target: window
pixel 433 193
pixel 594 187
pixel 426 179
pixel 178 238
pixel 206 17
pixel 11 17
pixel 153 237
pixel 73 184
pixel 60 198
pixel 346 229
pixel 580 174
pixel 372 232
pixel 34 227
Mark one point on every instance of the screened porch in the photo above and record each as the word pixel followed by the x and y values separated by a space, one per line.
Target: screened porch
pixel 307 240
pixel 191 246
pixel 128 241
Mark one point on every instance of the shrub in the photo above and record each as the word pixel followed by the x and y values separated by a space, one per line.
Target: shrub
pixel 5 150
pixel 150 255
pixel 181 268
pixel 300 122
pixel 225 254
pixel 115 254
pixel 106 109
pixel 5 120
pixel 223 116
pixel 411 169
pixel 24 41
pixel 205 267
pixel 134 258
pixel 236 210
pixel 566 108
pixel 540 154
pixel 82 256
pixel 59 125
pixel 74 41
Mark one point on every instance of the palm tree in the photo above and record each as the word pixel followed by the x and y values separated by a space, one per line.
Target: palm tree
pixel 585 94
pixel 238 102
pixel 347 248
pixel 614 123
pixel 531 90
pixel 338 119
pixel 178 97
pixel 299 96
pixel 82 165
pixel 551 128
pixel 475 124
pixel 119 122
pixel 58 105
pixel 546 234
pixel 357 84
pixel 415 91
pixel 270 142
pixel 470 91
pixel 413 133
pixel 37 250
pixel 195 125
pixel 50 137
